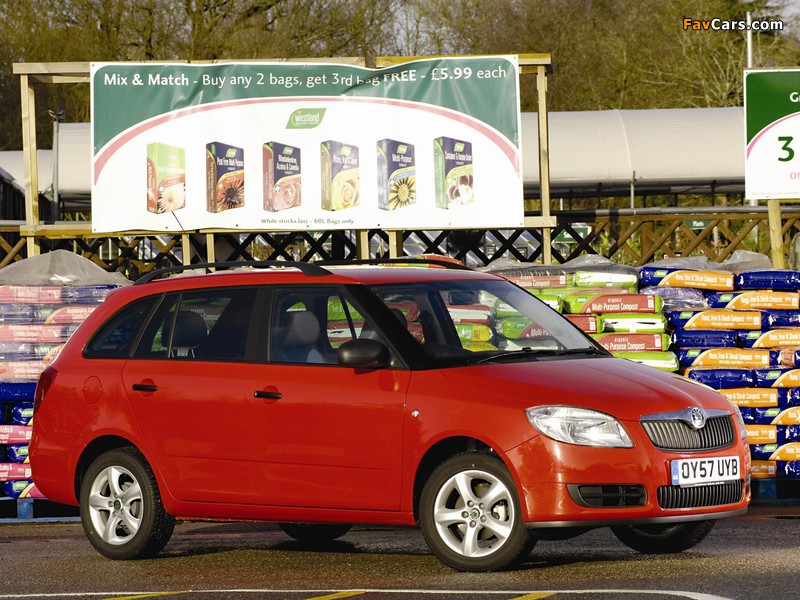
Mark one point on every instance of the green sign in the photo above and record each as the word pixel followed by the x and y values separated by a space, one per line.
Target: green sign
pixel 426 144
pixel 772 129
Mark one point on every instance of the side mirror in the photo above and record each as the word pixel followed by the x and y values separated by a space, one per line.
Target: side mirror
pixel 363 354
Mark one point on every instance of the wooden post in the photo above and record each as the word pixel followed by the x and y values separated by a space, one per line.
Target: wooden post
pixel 544 160
pixel 395 243
pixel 31 164
pixel 776 233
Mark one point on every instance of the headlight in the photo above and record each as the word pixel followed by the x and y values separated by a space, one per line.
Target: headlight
pixel 579 426
pixel 737 414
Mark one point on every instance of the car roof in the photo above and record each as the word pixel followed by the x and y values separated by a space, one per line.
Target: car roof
pixel 193 276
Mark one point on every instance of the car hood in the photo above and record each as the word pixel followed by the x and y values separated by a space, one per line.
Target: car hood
pixel 626 389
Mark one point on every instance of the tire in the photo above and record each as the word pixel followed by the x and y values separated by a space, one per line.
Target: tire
pixel 120 506
pixel 470 514
pixel 315 533
pixel 664 539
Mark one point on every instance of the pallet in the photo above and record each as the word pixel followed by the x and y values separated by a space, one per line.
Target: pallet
pixel 770 491
pixel 15 510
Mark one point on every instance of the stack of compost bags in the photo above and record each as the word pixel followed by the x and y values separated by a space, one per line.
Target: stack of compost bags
pixel 735 327
pixel 43 299
pixel 601 298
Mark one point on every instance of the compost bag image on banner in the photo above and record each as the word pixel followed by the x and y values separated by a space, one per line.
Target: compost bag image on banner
pixel 426 144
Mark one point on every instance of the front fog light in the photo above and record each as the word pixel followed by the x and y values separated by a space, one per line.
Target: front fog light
pixel 580 426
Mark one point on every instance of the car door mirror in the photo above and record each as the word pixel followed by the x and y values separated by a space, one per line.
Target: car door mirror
pixel 363 354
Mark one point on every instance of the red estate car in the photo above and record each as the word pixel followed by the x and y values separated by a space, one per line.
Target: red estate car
pixel 319 397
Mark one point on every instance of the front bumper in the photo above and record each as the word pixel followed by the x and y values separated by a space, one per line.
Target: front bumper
pixel 564 485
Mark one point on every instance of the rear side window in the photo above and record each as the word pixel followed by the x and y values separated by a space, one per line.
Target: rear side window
pixel 201 325
pixel 115 339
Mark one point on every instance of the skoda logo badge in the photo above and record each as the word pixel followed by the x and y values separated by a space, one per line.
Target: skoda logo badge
pixel 698 418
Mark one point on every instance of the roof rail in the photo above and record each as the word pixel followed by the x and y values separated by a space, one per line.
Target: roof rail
pixel 309 269
pixel 399 261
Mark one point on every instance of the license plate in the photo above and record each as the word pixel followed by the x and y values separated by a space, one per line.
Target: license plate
pixel 705 471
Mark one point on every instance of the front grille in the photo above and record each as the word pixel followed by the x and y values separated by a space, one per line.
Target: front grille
pixel 670 496
pixel 608 495
pixel 677 434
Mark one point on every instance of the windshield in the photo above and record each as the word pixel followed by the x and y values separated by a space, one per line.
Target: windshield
pixel 482 321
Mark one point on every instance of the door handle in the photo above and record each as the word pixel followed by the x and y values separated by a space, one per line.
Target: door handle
pixel 268 395
pixel 144 387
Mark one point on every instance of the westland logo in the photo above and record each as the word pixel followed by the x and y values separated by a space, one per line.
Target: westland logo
pixel 305 118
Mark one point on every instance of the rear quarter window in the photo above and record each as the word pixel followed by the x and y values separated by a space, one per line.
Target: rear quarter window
pixel 115 339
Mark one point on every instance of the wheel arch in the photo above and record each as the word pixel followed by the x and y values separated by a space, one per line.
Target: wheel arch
pixel 92 451
pixel 437 454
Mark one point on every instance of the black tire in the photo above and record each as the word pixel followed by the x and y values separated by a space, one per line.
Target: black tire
pixel 461 530
pixel 315 533
pixel 664 539
pixel 120 506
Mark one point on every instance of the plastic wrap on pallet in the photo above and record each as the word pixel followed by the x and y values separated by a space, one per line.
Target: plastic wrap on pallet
pixel 589 270
pixel 14 471
pixel 30 294
pixel 768 279
pixel 763 397
pixel 728 357
pixel 15 313
pixel 22 489
pixel 25 351
pixel 720 318
pixel 779 377
pixel 87 294
pixel 703 338
pixel 23 370
pixel 632 342
pixel 16 391
pixel 755 300
pixel 771 338
pixel 722 378
pixel 61 314
pixel 678 298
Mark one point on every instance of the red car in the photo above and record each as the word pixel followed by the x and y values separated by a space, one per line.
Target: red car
pixel 319 397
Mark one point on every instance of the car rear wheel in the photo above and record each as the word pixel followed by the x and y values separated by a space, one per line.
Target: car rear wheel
pixel 470 514
pixel 315 533
pixel 664 539
pixel 121 508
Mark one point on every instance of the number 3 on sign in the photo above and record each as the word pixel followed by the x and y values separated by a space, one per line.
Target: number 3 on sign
pixel 789 152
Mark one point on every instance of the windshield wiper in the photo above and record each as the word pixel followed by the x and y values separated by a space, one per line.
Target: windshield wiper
pixel 524 352
pixel 568 351
pixel 534 354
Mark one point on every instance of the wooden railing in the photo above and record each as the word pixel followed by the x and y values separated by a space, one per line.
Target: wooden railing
pixel 627 236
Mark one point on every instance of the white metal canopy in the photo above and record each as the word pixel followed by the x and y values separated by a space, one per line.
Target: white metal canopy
pixel 598 152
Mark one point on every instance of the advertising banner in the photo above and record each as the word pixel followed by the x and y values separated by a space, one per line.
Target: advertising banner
pixel 427 144
pixel 772 122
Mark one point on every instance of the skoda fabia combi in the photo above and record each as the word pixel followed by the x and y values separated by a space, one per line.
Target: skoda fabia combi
pixel 321 397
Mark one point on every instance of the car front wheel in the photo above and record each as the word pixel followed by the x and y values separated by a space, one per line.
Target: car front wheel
pixel 470 514
pixel 664 539
pixel 121 508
